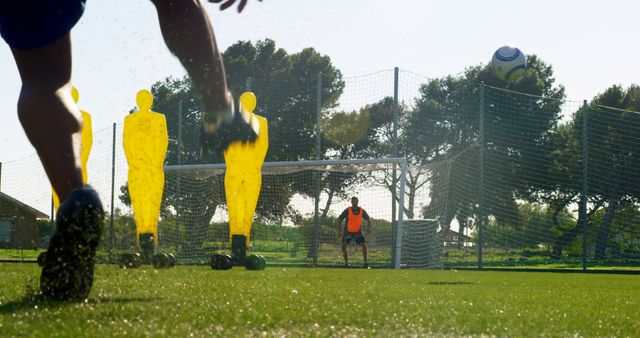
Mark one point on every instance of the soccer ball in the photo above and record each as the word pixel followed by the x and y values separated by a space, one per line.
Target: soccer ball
pixel 508 63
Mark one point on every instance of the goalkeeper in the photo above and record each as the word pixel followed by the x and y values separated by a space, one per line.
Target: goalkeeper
pixel 354 215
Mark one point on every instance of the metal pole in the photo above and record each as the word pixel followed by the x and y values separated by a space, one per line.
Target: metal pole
pixel 178 183
pixel 316 228
pixel 481 183
pixel 583 197
pixel 398 243
pixel 247 84
pixel 318 114
pixel 394 150
pixel 396 117
pixel 52 217
pixel 179 132
pixel 113 187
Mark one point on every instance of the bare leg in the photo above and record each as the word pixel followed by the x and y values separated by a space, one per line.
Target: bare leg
pixel 48 113
pixel 365 254
pixel 188 34
pixel 344 253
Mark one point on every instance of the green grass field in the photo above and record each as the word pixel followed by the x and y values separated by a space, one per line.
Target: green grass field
pixel 325 302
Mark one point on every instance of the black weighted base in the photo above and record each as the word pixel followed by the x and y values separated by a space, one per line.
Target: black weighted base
pixel 221 262
pixel 161 261
pixel 130 261
pixel 255 262
pixel 172 259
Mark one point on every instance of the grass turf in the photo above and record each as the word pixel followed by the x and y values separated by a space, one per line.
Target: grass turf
pixel 325 302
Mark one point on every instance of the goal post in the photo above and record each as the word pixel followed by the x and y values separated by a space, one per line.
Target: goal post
pixel 286 228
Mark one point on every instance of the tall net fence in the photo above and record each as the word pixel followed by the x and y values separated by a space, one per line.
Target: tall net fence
pixel 495 178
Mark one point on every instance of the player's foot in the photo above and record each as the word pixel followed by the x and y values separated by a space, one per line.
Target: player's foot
pixel 67 273
pixel 220 130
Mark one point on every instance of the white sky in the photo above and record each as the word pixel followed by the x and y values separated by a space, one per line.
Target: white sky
pixel 118 48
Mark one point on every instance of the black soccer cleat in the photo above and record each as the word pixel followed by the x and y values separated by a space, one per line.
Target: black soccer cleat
pixel 215 137
pixel 67 273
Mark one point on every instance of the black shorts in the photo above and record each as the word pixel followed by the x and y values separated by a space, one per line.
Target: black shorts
pixel 348 236
pixel 33 24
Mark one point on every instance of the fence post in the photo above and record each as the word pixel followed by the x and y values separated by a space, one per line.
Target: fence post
pixel 316 227
pixel 113 187
pixel 52 216
pixel 179 154
pixel 398 243
pixel 394 154
pixel 247 84
pixel 481 149
pixel 583 195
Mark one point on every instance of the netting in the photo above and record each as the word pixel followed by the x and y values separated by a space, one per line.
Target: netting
pixel 524 182
pixel 495 177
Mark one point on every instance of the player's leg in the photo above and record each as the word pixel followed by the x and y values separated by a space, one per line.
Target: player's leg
pixel 53 125
pixel 40 43
pixel 48 113
pixel 365 254
pixel 345 242
pixel 189 35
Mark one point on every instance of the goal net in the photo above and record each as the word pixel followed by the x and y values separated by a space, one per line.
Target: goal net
pixel 296 217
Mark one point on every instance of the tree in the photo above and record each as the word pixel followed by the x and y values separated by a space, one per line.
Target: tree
pixel 612 160
pixel 517 135
pixel 355 135
pixel 613 157
pixel 286 87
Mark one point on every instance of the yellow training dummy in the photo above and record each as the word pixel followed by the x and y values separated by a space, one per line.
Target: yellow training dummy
pixel 145 142
pixel 243 177
pixel 85 146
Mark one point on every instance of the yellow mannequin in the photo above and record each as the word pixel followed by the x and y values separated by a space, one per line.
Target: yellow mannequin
pixel 243 177
pixel 85 146
pixel 145 142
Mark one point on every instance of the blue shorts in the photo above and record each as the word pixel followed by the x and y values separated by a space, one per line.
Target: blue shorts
pixel 36 23
pixel 349 236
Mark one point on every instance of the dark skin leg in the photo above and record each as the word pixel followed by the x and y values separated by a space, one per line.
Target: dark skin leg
pixel 365 253
pixel 48 113
pixel 188 34
pixel 344 252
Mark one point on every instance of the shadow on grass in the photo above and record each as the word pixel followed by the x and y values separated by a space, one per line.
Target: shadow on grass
pixel 32 301
pixel 451 283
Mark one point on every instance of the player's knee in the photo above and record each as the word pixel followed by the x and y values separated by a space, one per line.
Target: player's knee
pixel 37 104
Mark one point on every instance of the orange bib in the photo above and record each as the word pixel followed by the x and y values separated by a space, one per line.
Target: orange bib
pixel 354 222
